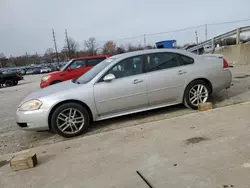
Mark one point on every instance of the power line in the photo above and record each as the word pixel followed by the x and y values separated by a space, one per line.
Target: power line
pixel 120 39
pixel 183 29
pixel 177 30
pixel 235 21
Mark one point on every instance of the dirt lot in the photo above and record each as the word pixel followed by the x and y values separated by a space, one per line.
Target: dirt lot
pixel 13 139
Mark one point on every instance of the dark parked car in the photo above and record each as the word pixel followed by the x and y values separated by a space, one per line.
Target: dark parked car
pixel 33 71
pixel 9 79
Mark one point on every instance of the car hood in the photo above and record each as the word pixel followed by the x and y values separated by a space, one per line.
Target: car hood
pixel 56 73
pixel 53 89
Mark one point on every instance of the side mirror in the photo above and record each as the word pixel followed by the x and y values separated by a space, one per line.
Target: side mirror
pixel 109 77
pixel 68 69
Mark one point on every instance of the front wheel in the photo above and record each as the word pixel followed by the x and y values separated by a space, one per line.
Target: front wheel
pixel 196 92
pixel 9 83
pixel 70 119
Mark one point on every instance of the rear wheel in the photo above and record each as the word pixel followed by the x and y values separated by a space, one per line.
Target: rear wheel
pixel 196 92
pixel 70 119
pixel 9 83
pixel 15 82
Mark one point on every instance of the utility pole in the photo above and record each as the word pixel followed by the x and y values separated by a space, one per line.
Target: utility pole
pixel 145 43
pixel 67 40
pixel 37 58
pixel 196 34
pixel 54 39
pixel 206 31
pixel 26 58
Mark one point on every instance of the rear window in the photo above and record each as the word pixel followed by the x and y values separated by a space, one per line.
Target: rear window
pixel 94 62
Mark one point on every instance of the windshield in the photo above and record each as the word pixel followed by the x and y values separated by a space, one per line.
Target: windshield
pixel 63 68
pixel 88 76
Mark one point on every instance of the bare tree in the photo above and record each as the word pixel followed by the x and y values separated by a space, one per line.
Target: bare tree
pixel 3 60
pixel 109 48
pixel 49 52
pixel 48 55
pixel 150 46
pixel 120 49
pixel 70 47
pixel 2 56
pixel 131 48
pixel 91 46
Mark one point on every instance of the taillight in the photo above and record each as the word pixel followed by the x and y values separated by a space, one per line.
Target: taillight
pixel 17 74
pixel 225 64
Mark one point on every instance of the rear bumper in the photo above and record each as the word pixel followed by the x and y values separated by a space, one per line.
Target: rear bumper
pixel 224 81
pixel 20 78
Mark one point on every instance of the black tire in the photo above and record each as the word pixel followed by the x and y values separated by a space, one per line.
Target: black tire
pixel 65 107
pixel 15 82
pixel 8 83
pixel 55 82
pixel 186 100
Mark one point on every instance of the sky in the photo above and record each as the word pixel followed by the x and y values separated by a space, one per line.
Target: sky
pixel 26 25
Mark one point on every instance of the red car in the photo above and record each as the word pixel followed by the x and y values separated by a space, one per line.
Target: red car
pixel 73 69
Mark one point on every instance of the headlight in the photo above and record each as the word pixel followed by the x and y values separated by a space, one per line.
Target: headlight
pixel 45 78
pixel 30 105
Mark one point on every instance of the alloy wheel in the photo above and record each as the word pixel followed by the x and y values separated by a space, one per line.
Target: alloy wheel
pixel 198 94
pixel 70 121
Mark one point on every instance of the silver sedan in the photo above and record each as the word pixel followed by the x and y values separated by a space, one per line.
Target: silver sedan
pixel 124 84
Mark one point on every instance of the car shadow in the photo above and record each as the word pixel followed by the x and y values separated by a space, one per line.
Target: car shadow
pixel 24 83
pixel 138 118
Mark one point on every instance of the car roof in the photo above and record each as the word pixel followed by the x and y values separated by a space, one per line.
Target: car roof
pixel 92 57
pixel 142 52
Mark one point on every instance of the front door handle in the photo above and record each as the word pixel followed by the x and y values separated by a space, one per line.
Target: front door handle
pixel 180 72
pixel 137 81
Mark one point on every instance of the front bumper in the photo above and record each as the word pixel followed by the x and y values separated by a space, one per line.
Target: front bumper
pixel 44 84
pixel 36 120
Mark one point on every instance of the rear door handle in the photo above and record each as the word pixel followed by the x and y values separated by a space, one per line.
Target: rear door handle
pixel 180 72
pixel 137 81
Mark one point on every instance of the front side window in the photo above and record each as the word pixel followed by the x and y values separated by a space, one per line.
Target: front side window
pixel 94 62
pixel 159 61
pixel 78 64
pixel 128 67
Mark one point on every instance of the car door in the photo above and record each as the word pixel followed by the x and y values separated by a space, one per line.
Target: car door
pixel 165 78
pixel 75 69
pixel 124 93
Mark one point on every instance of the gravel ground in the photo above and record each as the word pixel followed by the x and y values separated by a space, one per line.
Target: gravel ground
pixel 13 139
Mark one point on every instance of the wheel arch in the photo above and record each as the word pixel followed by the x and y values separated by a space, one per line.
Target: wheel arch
pixel 203 79
pixel 68 101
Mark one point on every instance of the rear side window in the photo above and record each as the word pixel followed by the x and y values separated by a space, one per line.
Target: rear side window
pixel 159 61
pixel 94 62
pixel 185 60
